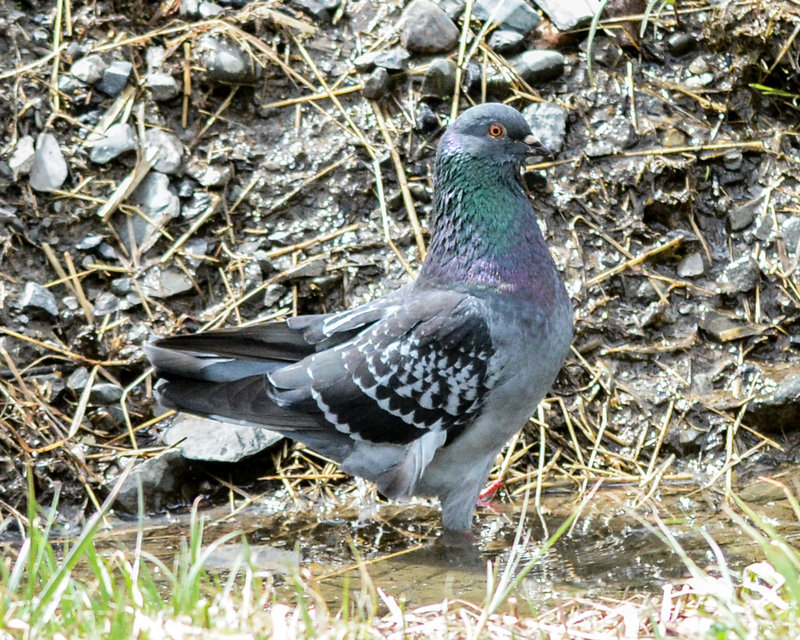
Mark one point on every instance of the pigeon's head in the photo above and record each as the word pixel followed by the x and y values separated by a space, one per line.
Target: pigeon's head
pixel 493 132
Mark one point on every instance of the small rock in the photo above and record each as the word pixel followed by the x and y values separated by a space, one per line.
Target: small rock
pixel 698 66
pixel 105 393
pixel 71 86
pixel 453 8
pixel 743 216
pixel 426 28
pixel 679 44
pixel 314 9
pixel 471 78
pixel 377 85
pixel 38 300
pixel 214 441
pixel 779 410
pixel 515 15
pixel 691 266
pixel 158 203
pixel 117 139
pixel 115 77
pixel 393 60
pixel 89 242
pixel 165 283
pixel 190 9
pixel 425 119
pixel 569 14
pixel 49 170
pixel 88 69
pixel 612 137
pixel 740 276
pixel 209 175
pixel 226 62
pixel 105 303
pixel 440 79
pixel 21 161
pixel 196 204
pixel 790 229
pixel 723 328
pixel 154 57
pixel 656 315
pixel 208 10
pixel 506 41
pixel 78 379
pixel 537 66
pixel 548 122
pixel 170 150
pixel 159 480
pixel 162 86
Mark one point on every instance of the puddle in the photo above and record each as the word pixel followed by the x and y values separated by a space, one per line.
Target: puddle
pixel 609 552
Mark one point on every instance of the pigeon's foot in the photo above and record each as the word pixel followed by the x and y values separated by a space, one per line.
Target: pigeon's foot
pixel 488 493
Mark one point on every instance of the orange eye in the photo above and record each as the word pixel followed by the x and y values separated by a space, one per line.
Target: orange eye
pixel 495 130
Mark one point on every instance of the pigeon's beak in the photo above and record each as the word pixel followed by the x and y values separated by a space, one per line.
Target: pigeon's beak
pixel 536 148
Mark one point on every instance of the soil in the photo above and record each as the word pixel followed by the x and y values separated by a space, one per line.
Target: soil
pixel 672 210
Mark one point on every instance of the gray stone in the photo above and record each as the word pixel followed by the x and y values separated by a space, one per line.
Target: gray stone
pixel 105 393
pixel 453 8
pixel 394 60
pixel 88 69
pixel 226 62
pixel 506 41
pixel 516 15
pixel 214 441
pixel 158 480
pixel 190 9
pixel 679 44
pixel 105 303
pixel 117 139
pixel 790 229
pixel 743 216
pixel 154 57
pixel 165 283
pixel 21 161
pixel 723 328
pixel 158 203
pixel 538 65
pixel 115 77
pixel 170 150
pixel 779 409
pixel 162 86
pixel 49 170
pixel 38 300
pixel 91 241
pixel 425 119
pixel 548 122
pixel 313 8
pixel 426 28
pixel 377 85
pixel 691 266
pixel 740 276
pixel 70 86
pixel 569 14
pixel 440 79
pixel 209 10
pixel 209 175
pixel 78 379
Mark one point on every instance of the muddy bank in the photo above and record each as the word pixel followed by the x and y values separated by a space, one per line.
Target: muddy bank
pixel 282 154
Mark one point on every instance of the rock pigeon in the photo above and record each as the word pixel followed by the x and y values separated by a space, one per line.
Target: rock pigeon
pixel 419 390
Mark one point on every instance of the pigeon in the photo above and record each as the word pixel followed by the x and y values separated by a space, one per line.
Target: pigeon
pixel 419 390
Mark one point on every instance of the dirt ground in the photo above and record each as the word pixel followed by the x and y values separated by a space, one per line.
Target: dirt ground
pixel 672 209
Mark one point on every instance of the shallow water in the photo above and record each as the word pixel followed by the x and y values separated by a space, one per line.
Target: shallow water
pixel 611 550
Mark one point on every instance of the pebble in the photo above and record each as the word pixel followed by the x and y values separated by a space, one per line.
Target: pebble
pixel 779 409
pixel 691 266
pixel 506 41
pixel 162 86
pixel 549 122
pixel 377 85
pixel 105 303
pixel 209 175
pixel 158 203
pixel 226 62
pixel 568 14
pixel 698 66
pixel 154 57
pixel 115 77
pixel 196 204
pixel 740 276
pixel 21 161
pixel 88 69
pixel 537 66
pixel 49 170
pixel 105 393
pixel 214 441
pixel 790 229
pixel 440 79
pixel 426 28
pixel 36 299
pixel 71 86
pixel 165 283
pixel 78 379
pixel 117 139
pixel 743 216
pixel 314 9
pixel 515 15
pixel 208 10
pixel 453 8
pixel 425 120
pixel 170 150
pixel 393 60
pixel 613 136
pixel 158 480
pixel 679 44
pixel 190 9
pixel 89 242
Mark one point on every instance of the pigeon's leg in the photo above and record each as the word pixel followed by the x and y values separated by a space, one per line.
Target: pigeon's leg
pixel 488 492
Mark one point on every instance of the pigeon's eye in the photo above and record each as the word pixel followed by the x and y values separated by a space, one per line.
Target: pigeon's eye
pixel 495 130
